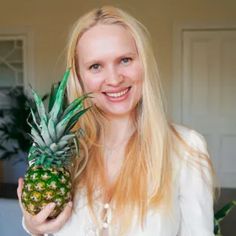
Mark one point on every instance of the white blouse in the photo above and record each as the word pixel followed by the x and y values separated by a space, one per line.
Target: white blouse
pixel 191 214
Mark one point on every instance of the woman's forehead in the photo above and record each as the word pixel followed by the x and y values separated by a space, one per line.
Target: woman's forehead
pixel 106 38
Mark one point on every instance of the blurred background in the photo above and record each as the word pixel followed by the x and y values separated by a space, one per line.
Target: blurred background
pixel 195 45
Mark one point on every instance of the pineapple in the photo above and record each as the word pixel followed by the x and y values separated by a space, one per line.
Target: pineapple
pixel 48 177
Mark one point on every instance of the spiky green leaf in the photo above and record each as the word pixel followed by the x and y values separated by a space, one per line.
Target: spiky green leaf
pixel 58 102
pixel 224 211
pixel 221 214
pixel 37 137
pixel 62 144
pixel 40 107
pixel 52 130
pixel 54 141
pixel 77 104
pixel 70 114
pixel 74 119
pixel 34 119
pixel 53 147
pixel 67 137
pixel 64 126
pixel 45 134
pixel 52 96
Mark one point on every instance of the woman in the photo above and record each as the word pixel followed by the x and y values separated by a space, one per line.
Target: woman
pixel 144 176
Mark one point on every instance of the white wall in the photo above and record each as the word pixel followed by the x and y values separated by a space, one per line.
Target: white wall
pixel 50 21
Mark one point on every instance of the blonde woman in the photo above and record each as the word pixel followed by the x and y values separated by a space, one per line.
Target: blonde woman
pixel 144 175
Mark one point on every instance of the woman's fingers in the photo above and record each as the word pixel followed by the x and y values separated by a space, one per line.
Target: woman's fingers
pixel 65 214
pixel 19 191
pixel 56 224
pixel 42 216
pixel 37 223
pixel 20 187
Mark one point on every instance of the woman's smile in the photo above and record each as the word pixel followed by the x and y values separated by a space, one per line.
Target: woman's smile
pixel 117 95
pixel 110 68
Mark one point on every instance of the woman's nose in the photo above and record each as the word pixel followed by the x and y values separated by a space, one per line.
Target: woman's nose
pixel 114 77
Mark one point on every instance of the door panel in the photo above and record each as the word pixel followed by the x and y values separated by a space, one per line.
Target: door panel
pixel 209 95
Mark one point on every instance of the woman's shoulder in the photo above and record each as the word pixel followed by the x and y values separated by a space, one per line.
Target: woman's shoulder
pixel 193 159
pixel 191 137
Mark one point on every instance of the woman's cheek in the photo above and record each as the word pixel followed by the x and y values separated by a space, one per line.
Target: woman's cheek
pixel 135 72
pixel 139 74
pixel 92 84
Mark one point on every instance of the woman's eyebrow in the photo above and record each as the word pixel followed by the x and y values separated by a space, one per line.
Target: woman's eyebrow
pixel 129 54
pixel 92 61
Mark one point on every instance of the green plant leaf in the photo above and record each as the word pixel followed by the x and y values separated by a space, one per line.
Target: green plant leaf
pixel 52 96
pixel 45 134
pixel 59 98
pixel 37 137
pixel 77 104
pixel 224 211
pixel 74 119
pixel 40 107
pixel 221 214
pixel 34 119
pixel 52 130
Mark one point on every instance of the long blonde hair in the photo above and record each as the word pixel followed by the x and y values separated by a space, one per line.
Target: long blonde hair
pixel 145 178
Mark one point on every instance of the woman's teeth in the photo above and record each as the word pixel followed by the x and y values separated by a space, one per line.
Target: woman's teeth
pixel 116 95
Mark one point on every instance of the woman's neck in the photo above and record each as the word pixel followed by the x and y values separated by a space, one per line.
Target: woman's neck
pixel 116 136
pixel 118 130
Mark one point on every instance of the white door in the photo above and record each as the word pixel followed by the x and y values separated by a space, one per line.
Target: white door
pixel 209 95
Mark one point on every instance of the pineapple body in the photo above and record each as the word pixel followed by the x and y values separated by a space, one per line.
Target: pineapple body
pixel 45 185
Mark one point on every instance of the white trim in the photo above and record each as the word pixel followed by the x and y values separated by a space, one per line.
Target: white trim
pixel 177 65
pixel 26 34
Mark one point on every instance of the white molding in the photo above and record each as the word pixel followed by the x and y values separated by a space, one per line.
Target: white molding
pixel 26 34
pixel 177 45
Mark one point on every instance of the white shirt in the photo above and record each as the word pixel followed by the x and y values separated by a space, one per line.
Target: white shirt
pixel 191 215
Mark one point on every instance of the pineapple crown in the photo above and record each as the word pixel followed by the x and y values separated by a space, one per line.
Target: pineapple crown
pixel 53 141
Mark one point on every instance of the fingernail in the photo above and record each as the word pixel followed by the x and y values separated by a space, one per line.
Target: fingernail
pixel 70 204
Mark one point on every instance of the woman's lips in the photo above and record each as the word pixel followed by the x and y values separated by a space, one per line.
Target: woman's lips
pixel 120 95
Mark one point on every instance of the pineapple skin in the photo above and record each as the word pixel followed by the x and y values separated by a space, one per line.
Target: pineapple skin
pixel 43 185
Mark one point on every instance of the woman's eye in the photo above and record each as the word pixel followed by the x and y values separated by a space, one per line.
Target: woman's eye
pixel 126 60
pixel 94 67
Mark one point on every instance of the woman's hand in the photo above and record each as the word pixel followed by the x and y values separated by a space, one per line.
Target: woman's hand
pixel 39 224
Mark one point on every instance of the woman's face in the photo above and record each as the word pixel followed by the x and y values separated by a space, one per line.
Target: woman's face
pixel 109 67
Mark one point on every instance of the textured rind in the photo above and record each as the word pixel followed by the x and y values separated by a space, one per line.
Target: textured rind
pixel 44 185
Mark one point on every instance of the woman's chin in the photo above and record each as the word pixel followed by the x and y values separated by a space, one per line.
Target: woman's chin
pixel 116 113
